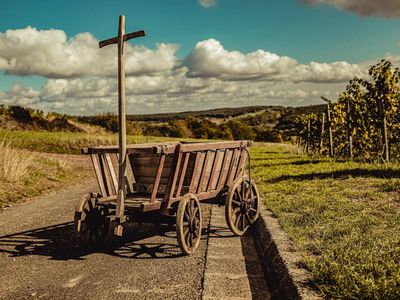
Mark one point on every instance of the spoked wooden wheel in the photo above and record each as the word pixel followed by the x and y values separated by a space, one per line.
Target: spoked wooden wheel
pixel 90 221
pixel 188 223
pixel 242 206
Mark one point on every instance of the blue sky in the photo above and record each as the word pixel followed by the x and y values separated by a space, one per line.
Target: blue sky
pixel 323 33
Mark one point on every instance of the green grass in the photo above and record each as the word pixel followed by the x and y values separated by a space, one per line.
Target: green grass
pixel 344 215
pixel 67 142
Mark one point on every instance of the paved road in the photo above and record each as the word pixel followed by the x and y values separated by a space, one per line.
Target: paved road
pixel 40 258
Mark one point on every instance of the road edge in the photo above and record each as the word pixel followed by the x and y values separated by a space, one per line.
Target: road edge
pixel 281 263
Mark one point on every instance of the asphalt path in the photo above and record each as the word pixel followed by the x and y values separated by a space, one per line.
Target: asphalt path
pixel 40 257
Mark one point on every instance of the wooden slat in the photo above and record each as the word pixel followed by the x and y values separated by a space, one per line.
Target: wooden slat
pixel 213 146
pixel 223 171
pixel 111 171
pixel 183 173
pixel 203 172
pixel 241 154
pixel 99 177
pixel 152 171
pixel 213 170
pixel 158 177
pixel 108 184
pixel 134 148
pixel 172 179
pixel 128 186
pixel 149 160
pixel 194 174
pixel 148 188
pixel 242 163
pixel 231 166
pixel 145 180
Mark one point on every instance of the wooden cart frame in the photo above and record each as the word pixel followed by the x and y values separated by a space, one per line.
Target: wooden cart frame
pixel 169 180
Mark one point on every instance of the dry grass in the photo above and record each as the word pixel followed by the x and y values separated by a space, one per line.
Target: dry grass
pixel 14 162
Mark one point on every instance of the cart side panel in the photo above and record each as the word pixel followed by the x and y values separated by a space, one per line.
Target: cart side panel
pixel 145 167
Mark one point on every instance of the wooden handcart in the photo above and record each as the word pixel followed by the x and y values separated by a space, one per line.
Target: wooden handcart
pixel 166 183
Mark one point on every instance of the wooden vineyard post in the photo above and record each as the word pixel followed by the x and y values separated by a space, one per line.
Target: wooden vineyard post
pixel 385 137
pixel 349 129
pixel 329 121
pixel 120 40
pixel 308 136
pixel 321 142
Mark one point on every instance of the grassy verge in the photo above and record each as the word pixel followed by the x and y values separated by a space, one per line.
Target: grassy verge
pixel 345 217
pixel 25 174
pixel 67 142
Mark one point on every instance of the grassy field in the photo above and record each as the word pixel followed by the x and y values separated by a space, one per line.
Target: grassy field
pixel 344 215
pixel 67 142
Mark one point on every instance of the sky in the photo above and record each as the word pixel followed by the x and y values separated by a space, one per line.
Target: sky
pixel 197 54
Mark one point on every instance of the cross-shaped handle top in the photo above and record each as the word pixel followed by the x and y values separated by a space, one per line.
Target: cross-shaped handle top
pixel 122 37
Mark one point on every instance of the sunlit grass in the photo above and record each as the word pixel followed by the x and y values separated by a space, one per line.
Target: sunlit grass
pixel 344 215
pixel 14 162
pixel 68 142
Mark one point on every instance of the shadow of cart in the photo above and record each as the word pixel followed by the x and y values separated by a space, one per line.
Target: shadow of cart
pixel 58 242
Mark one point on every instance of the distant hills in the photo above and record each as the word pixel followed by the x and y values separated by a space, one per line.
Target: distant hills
pixel 261 123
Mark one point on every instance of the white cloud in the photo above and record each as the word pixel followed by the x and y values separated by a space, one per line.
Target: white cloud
pixel 49 53
pixel 207 3
pixel 81 77
pixel 20 95
pixel 97 95
pixel 380 8
pixel 210 59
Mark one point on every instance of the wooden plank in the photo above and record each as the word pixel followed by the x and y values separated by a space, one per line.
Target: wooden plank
pixel 172 178
pixel 213 146
pixel 222 173
pixel 203 172
pixel 148 188
pixel 145 207
pixel 111 170
pixel 231 166
pixel 152 171
pixel 106 175
pixel 99 177
pixel 242 153
pixel 149 160
pixel 158 177
pixel 183 173
pixel 150 148
pixel 146 180
pixel 194 174
pixel 128 185
pixel 205 195
pixel 213 170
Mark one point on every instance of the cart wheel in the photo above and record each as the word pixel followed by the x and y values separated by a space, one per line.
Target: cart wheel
pixel 242 206
pixel 90 221
pixel 188 223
